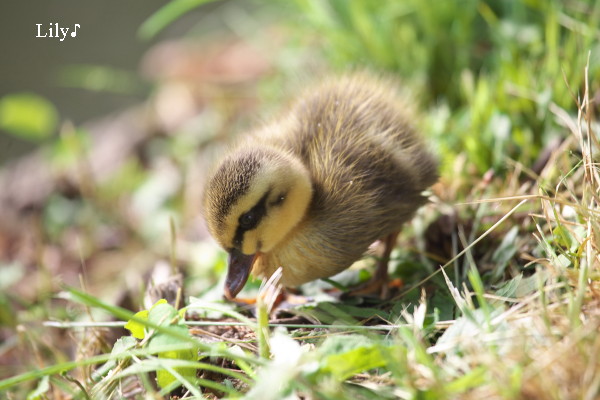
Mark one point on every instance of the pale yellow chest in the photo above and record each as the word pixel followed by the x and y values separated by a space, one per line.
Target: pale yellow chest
pixel 307 255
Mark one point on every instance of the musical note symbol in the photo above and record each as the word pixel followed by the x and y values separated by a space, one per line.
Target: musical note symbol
pixel 74 33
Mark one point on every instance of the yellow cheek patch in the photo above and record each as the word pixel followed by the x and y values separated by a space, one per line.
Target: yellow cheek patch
pixel 280 220
pixel 250 242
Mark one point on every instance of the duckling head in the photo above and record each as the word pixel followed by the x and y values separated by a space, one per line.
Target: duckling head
pixel 253 200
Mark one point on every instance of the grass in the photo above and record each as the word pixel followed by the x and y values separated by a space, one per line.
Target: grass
pixel 500 272
pixel 497 66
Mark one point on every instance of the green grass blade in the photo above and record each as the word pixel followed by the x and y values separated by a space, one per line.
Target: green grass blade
pixel 166 15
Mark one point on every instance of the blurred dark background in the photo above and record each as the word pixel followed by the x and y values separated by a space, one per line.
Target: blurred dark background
pixel 78 75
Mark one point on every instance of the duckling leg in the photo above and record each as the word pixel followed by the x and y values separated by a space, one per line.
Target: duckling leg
pixel 381 274
pixel 379 282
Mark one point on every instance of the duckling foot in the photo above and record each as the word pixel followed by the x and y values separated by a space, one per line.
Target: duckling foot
pixel 287 298
pixel 378 284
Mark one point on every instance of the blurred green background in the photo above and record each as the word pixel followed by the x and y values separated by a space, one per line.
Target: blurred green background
pixel 485 71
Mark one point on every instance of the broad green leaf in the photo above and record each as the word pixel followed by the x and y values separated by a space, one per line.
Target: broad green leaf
pixel 137 329
pixel 163 377
pixel 355 361
pixel 345 356
pixel 123 344
pixel 119 352
pixel 28 116
pixel 162 313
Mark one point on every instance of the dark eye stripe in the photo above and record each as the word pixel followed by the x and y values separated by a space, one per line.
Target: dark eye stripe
pixel 250 219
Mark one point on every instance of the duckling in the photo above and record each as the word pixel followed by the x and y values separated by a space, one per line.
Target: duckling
pixel 311 191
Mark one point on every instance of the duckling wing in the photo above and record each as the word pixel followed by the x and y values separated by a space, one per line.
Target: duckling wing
pixel 366 159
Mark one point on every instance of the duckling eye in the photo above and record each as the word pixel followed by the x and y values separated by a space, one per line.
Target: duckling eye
pixel 247 220
pixel 278 200
pixel 250 219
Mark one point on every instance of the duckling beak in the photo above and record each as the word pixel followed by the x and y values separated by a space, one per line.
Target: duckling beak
pixel 240 265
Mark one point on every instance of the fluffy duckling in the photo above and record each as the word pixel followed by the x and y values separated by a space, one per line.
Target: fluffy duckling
pixel 312 190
